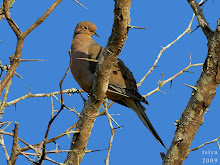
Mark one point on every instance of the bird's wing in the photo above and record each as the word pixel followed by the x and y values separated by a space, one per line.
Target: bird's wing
pixel 94 52
pixel 123 83
pixel 121 80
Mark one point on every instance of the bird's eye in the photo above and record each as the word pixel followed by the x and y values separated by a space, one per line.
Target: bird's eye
pixel 85 27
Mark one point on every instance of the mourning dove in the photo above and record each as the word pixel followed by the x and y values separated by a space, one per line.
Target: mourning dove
pixel 122 85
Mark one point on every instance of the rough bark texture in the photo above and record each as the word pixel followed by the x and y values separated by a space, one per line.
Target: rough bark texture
pixel 100 84
pixel 201 98
pixel 16 57
pixel 15 146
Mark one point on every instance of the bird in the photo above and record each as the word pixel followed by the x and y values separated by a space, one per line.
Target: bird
pixel 122 86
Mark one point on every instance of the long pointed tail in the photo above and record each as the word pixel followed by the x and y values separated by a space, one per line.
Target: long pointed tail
pixel 141 114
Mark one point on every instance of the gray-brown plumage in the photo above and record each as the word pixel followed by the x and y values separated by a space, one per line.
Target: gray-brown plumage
pixel 122 85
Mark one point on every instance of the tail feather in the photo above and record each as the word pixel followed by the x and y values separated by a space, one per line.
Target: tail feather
pixel 141 114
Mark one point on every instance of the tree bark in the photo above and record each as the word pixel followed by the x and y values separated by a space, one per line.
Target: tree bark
pixel 202 95
pixel 100 84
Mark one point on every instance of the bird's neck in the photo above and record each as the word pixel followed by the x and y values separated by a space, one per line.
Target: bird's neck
pixel 81 41
pixel 81 35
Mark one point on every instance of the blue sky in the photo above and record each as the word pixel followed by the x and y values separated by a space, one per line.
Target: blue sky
pixel 133 143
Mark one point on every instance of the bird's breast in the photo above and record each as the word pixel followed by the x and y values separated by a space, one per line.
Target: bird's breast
pixel 80 70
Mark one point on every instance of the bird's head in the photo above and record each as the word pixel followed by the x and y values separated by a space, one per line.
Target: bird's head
pixel 86 27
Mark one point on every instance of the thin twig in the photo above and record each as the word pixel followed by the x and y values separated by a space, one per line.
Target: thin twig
pixel 171 78
pixel 193 87
pixel 6 125
pixel 87 59
pixel 79 3
pixel 6 68
pixel 188 29
pixel 15 147
pixel 67 132
pixel 46 135
pixel 61 82
pixel 53 117
pixel 52 108
pixel 213 141
pixel 89 151
pixel 4 148
pixel 3 103
pixel 29 95
pixel 136 27
pixel 112 132
pixel 72 110
pixel 28 145
pixel 114 121
pixel 53 161
pixel 25 155
pixel 25 60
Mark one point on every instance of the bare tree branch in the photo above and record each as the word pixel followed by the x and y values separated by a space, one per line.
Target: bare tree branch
pixel 213 141
pixel 5 68
pixel 171 78
pixel 112 132
pixel 14 152
pixel 26 156
pixel 46 135
pixel 80 4
pixel 12 24
pixel 201 18
pixel 10 3
pixel 136 27
pixel 193 116
pixel 25 60
pixel 29 95
pixel 3 103
pixel 188 29
pixel 20 39
pixel 61 82
pixel 67 132
pixel 2 143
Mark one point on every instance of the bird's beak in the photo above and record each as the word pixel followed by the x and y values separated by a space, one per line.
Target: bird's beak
pixel 96 34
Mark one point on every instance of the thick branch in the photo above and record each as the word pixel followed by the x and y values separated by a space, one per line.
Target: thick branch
pixel 201 18
pixel 193 115
pixel 100 84
pixel 14 64
pixel 3 103
pixel 14 27
pixel 14 152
